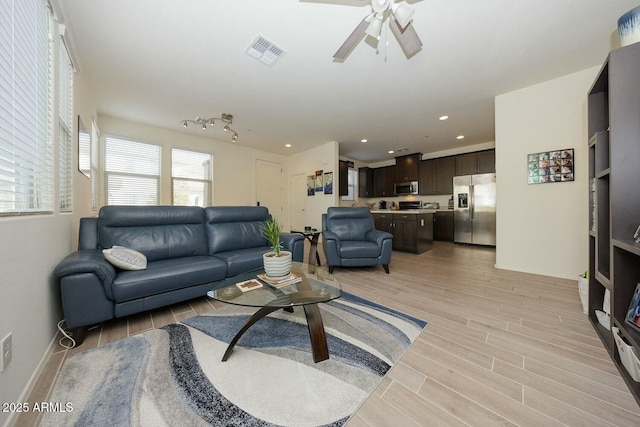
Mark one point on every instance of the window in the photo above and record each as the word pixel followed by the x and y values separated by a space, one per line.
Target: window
pixel 26 105
pixel 191 175
pixel 65 133
pixel 95 134
pixel 352 182
pixel 132 172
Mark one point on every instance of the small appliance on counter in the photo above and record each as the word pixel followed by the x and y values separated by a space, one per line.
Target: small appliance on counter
pixel 431 205
pixel 382 204
pixel 409 205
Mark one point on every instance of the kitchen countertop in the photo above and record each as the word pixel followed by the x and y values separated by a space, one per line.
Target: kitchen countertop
pixel 411 211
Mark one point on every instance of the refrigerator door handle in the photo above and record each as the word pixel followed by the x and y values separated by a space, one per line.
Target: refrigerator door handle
pixel 472 204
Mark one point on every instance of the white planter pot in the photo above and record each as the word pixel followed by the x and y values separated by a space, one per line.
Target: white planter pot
pixel 277 266
pixel 583 290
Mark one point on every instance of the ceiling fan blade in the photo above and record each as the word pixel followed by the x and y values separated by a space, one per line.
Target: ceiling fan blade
pixel 407 39
pixel 352 41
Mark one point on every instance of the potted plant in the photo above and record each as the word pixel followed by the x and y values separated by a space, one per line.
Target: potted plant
pixel 277 263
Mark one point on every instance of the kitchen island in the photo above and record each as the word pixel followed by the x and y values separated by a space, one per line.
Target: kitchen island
pixel 412 229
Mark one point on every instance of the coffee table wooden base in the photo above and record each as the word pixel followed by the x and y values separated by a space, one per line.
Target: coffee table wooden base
pixel 314 321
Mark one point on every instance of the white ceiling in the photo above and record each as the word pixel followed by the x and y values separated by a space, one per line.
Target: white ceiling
pixel 160 61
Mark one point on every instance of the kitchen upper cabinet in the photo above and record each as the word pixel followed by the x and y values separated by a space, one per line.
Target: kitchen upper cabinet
pixel 407 167
pixel 365 182
pixel 478 162
pixel 343 178
pixel 436 175
pixel 383 180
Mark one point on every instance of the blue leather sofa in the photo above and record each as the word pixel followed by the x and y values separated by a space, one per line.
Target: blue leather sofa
pixel 189 251
pixel 350 239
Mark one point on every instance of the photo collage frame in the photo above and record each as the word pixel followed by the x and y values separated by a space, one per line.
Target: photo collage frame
pixel 550 166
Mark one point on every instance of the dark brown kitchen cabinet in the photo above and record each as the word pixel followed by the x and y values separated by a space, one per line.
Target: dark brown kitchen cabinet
pixel 443 226
pixel 411 232
pixel 436 175
pixel 477 162
pixel 343 178
pixel 365 182
pixel 383 180
pixel 407 167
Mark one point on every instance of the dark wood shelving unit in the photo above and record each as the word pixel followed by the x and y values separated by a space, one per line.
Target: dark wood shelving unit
pixel 614 207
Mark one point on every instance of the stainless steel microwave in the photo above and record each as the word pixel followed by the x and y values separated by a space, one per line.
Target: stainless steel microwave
pixel 406 188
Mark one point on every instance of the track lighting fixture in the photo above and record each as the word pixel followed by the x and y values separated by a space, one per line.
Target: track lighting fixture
pixel 226 118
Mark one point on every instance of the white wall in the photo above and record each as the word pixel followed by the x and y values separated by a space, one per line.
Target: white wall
pixel 30 248
pixel 325 158
pixel 234 166
pixel 543 228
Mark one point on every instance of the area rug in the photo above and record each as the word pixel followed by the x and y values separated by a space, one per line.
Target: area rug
pixel 174 376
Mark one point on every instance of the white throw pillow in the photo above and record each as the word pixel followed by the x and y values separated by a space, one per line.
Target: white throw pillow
pixel 125 258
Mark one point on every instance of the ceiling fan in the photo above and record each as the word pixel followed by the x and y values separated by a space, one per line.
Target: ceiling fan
pixel 399 16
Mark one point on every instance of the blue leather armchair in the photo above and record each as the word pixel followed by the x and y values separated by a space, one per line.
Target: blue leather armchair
pixel 351 240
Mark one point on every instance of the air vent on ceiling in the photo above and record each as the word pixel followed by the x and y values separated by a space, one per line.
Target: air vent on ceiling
pixel 265 50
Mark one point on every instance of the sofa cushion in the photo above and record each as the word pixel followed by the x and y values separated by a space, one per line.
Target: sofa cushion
pixel 230 228
pixel 159 232
pixel 242 260
pixel 359 249
pixel 125 258
pixel 167 275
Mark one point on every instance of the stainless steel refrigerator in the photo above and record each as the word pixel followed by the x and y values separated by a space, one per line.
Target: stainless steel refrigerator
pixel 474 211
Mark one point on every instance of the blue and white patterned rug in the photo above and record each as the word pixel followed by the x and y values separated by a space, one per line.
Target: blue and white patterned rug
pixel 174 376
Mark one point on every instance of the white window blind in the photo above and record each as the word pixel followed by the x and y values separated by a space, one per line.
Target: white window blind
pixel 95 134
pixel 26 97
pixel 132 172
pixel 65 134
pixel 192 177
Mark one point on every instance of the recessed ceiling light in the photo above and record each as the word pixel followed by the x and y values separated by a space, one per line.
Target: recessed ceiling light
pixel 363 140
pixel 443 117
pixel 287 145
pixel 460 137
pixel 390 151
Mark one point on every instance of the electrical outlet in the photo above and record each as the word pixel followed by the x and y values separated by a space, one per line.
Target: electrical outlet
pixel 5 353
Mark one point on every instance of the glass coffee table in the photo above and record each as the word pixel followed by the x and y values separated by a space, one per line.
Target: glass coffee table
pixel 317 286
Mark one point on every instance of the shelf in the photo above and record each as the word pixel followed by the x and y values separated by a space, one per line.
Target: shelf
pixel 628 245
pixel 603 280
pixel 631 336
pixel 604 334
pixel 614 156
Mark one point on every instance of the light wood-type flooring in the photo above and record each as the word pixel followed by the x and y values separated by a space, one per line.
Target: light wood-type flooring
pixel 501 348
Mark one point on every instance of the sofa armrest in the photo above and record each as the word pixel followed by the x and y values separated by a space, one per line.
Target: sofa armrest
pixel 331 246
pixel 294 243
pixel 378 236
pixel 87 261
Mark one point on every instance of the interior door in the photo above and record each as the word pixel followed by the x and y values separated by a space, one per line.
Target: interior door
pixel 269 187
pixel 297 195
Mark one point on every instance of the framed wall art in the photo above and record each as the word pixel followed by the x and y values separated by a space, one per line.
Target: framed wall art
pixel 328 183
pixel 319 183
pixel 550 166
pixel 311 185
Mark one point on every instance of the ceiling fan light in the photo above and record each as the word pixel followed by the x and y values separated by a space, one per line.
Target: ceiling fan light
pixel 402 14
pixel 375 27
pixel 204 127
pixel 184 124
